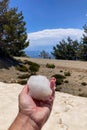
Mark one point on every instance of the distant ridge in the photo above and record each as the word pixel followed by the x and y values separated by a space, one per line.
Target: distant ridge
pixel 36 54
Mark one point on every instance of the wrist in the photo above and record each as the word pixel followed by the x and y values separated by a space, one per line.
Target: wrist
pixel 27 121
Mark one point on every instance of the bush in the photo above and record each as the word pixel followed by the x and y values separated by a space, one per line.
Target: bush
pixel 82 94
pixel 61 71
pixel 24 76
pixel 22 68
pixel 59 81
pixel 50 66
pixel 22 82
pixel 31 63
pixel 59 76
pixel 66 81
pixel 28 62
pixel 67 73
pixel 84 83
pixel 34 68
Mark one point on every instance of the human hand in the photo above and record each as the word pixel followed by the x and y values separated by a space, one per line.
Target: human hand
pixel 37 111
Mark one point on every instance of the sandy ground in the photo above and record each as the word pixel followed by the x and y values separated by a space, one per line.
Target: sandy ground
pixel 69 112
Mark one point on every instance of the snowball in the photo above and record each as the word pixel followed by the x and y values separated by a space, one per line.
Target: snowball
pixel 39 87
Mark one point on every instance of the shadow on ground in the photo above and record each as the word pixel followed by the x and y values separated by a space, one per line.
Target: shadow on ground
pixel 7 62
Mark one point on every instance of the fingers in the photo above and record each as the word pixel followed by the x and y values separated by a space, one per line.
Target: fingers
pixel 49 103
pixel 52 85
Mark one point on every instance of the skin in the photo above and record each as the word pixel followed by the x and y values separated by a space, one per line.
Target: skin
pixel 33 113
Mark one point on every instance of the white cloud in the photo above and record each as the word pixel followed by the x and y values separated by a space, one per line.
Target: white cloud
pixel 50 37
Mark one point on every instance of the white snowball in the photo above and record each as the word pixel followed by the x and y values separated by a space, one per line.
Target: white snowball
pixel 39 87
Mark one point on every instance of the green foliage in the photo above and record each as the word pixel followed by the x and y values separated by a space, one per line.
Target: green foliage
pixel 34 68
pixel 28 62
pixel 72 49
pixel 67 73
pixel 66 50
pixel 84 83
pixel 59 81
pixel 28 66
pixel 13 34
pixel 83 45
pixel 22 68
pixel 59 78
pixel 22 82
pixel 50 65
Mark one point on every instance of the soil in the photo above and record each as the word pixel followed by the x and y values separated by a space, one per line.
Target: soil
pixel 78 70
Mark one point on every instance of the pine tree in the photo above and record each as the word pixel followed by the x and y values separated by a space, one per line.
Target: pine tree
pixel 66 50
pixel 3 9
pixel 12 32
pixel 84 44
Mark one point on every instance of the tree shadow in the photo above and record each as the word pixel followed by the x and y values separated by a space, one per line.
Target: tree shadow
pixel 7 62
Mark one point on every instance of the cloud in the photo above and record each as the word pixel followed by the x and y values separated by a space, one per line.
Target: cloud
pixel 50 37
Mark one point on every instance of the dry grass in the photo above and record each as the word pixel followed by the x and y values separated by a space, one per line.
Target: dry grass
pixel 77 69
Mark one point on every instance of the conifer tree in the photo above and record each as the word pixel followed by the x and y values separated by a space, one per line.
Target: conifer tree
pixel 13 36
pixel 67 50
pixel 83 47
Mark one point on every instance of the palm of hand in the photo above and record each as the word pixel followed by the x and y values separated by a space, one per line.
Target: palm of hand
pixel 37 111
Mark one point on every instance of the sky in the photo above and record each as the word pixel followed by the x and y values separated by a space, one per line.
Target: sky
pixel 49 21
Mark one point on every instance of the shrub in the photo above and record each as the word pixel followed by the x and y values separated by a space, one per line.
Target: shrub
pixel 59 76
pixel 34 68
pixel 59 81
pixel 83 94
pixel 31 63
pixel 67 73
pixel 24 76
pixel 50 65
pixel 28 62
pixel 84 83
pixel 22 82
pixel 22 68
pixel 61 71
pixel 66 81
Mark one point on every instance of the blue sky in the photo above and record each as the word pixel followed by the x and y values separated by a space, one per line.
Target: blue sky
pixel 48 21
pixel 50 14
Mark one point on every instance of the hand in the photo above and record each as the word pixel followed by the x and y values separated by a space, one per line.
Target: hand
pixel 37 111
